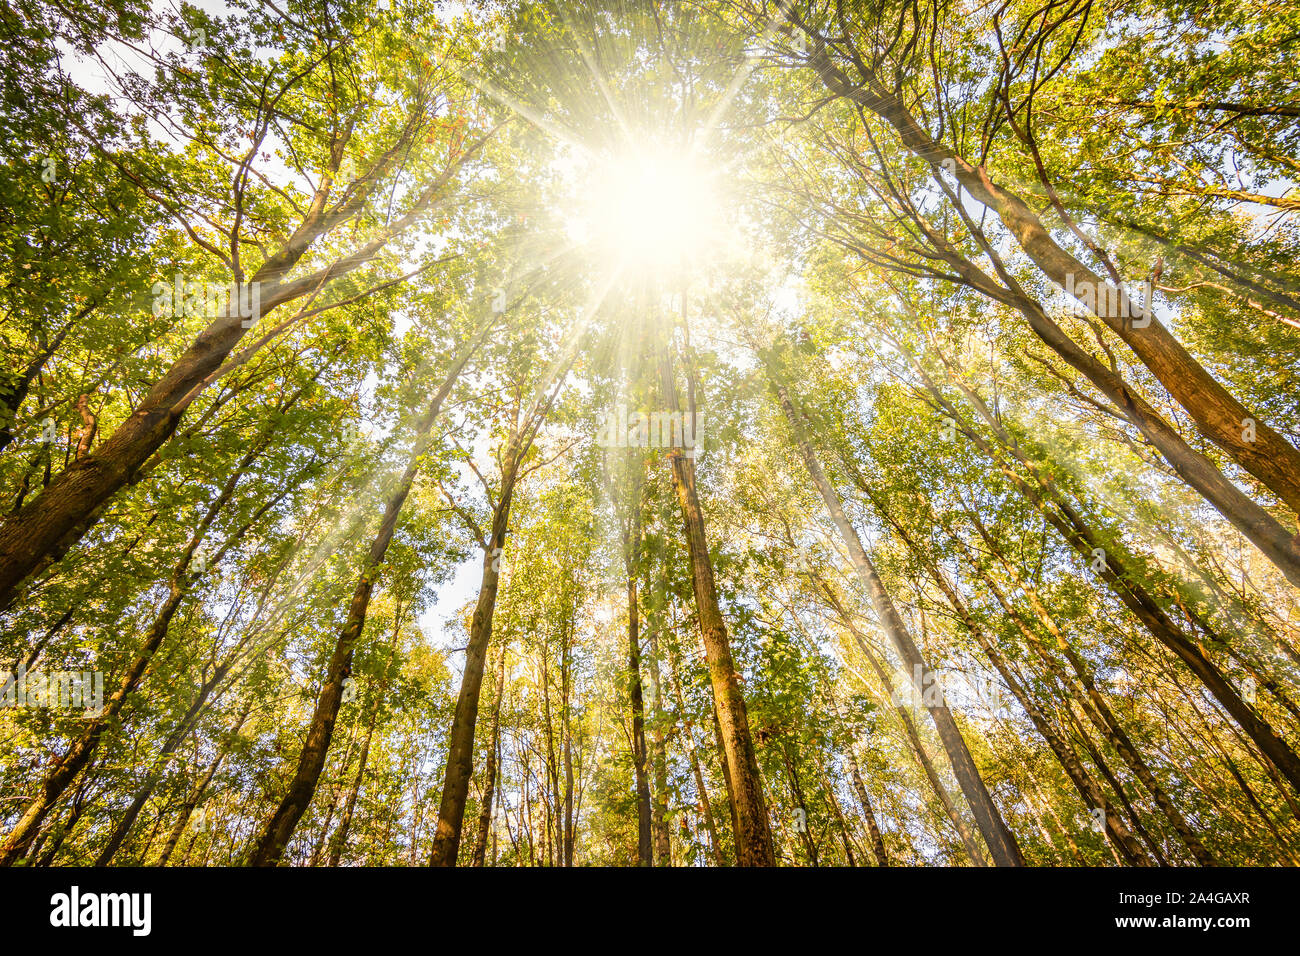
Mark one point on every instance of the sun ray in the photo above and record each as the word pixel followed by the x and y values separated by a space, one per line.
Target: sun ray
pixel 600 81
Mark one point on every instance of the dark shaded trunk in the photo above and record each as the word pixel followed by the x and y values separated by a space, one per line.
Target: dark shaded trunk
pixel 43 855
pixel 859 788
pixel 61 514
pixel 490 771
pixel 658 761
pixel 644 852
pixel 840 823
pixel 460 753
pixel 803 824
pixel 567 822
pixel 14 392
pixel 320 731
pixel 726 772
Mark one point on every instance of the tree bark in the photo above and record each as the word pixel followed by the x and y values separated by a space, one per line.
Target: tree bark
pixel 460 754
pixel 796 791
pixel 753 831
pixel 644 852
pixel 1001 843
pixel 877 840
pixel 320 731
pixel 1127 586
pixel 658 761
pixel 1218 415
pixel 61 514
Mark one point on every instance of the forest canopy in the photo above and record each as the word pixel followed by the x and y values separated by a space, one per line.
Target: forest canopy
pixel 623 432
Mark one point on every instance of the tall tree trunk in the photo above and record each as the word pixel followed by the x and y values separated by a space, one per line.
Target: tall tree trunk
pixel 726 770
pixel 490 771
pixel 320 731
pixel 804 828
pixel 567 735
pixel 644 851
pixel 1001 843
pixel 658 761
pixel 460 754
pixel 753 831
pixel 1218 415
pixel 834 804
pixel 62 513
pixel 340 838
pixel 552 801
pixel 859 788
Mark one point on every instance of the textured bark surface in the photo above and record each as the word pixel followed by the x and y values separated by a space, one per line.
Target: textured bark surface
pixel 753 832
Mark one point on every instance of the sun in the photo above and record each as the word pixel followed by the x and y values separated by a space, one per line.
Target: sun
pixel 653 210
